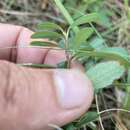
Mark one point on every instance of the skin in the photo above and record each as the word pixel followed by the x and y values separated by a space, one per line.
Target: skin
pixel 27 97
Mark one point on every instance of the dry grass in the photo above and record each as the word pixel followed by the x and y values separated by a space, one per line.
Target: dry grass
pixel 27 12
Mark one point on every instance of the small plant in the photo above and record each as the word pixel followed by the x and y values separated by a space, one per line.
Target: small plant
pixel 104 65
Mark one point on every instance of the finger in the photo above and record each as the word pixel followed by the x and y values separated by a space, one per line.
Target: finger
pixel 8 38
pixel 36 55
pixel 12 35
pixel 35 98
pixel 29 55
pixel 54 57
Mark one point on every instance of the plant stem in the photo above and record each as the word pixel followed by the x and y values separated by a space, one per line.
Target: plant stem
pixel 66 51
pixel 97 106
pixel 66 14
pixel 127 96
pixel 70 20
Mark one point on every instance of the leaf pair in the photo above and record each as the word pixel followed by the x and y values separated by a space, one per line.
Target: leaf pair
pixel 47 30
pixel 53 31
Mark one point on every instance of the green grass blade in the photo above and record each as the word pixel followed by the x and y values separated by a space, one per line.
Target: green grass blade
pixel 103 74
pixel 93 17
pixel 66 14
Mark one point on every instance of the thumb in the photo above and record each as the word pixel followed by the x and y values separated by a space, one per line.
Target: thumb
pixel 31 99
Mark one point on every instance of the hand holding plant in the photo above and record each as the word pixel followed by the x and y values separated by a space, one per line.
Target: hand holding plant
pixel 37 98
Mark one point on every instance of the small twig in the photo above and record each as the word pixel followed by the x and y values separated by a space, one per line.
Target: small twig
pixel 114 109
pixel 38 47
pixel 119 124
pixel 13 12
pixel 98 111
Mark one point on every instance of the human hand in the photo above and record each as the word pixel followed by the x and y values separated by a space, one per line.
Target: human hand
pixel 31 99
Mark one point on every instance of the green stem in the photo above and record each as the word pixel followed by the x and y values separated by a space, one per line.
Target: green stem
pixel 66 14
pixel 127 96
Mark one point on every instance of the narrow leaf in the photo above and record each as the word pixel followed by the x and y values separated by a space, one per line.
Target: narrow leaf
pixel 103 74
pixel 46 34
pixel 48 26
pixel 88 117
pixel 40 43
pixel 93 17
pixel 117 50
pixel 46 66
pixel 66 14
pixel 107 55
pixel 82 36
pixel 69 127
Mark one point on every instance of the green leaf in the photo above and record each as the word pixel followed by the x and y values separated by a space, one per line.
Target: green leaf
pixel 48 26
pixel 118 51
pixel 103 74
pixel 46 66
pixel 69 127
pixel 108 54
pixel 46 34
pixel 88 117
pixel 82 36
pixel 40 43
pixel 93 17
pixel 66 14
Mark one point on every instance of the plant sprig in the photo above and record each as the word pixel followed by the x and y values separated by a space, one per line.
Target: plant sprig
pixel 110 62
